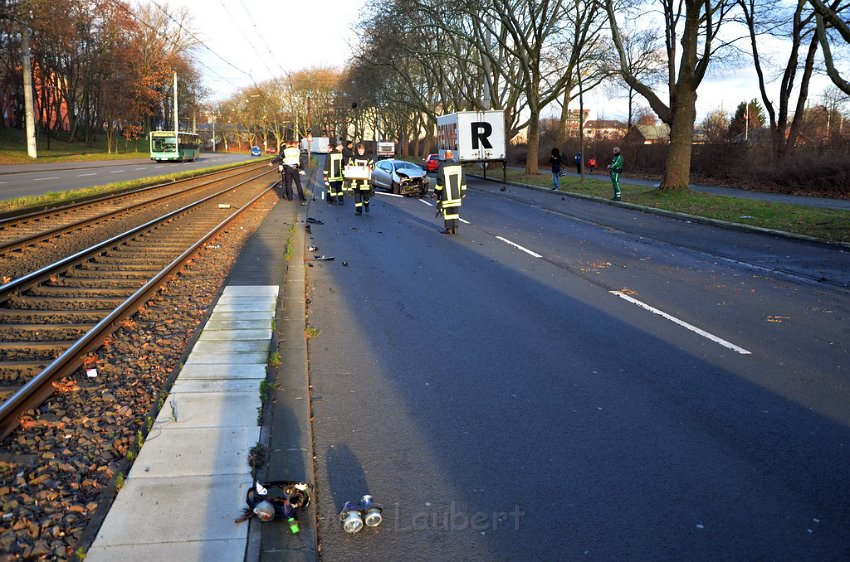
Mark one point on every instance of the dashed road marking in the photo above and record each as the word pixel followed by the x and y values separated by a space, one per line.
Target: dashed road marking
pixel 682 323
pixel 84 175
pixel 517 246
pixel 43 179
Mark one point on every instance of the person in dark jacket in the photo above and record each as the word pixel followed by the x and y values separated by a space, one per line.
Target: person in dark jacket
pixel 556 161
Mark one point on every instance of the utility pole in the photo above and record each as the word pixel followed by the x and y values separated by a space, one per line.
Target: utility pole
pixel 176 120
pixel 29 113
pixel 308 112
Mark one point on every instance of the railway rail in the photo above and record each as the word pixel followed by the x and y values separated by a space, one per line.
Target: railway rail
pixel 34 239
pixel 53 317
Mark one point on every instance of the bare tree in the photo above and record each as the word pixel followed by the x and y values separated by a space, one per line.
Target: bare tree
pixel 715 126
pixel 699 22
pixel 829 17
pixel 525 30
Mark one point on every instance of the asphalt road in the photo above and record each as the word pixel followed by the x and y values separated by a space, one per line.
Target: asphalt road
pixel 501 397
pixel 37 179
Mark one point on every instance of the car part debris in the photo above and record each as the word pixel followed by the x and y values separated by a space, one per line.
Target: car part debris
pixel 287 497
pixel 323 258
pixel 354 515
pixel 311 220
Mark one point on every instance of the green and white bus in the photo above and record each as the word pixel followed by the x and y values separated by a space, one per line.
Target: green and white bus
pixel 164 146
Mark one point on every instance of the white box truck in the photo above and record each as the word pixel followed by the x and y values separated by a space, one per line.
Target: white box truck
pixel 473 136
pixel 319 145
pixel 384 149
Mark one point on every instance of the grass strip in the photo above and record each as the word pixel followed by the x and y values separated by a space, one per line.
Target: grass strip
pixel 832 225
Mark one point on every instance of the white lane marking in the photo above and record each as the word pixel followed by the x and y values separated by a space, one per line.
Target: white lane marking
pixel 50 178
pixel 517 246
pixel 84 175
pixel 684 324
pixel 117 171
pixel 142 168
pixel 388 194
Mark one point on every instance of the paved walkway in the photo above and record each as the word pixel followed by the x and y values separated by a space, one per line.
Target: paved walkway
pixel 189 481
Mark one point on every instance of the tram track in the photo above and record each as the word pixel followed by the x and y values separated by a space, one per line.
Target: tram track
pixel 34 239
pixel 53 317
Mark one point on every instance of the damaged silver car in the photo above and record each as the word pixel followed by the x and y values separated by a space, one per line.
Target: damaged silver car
pixel 400 177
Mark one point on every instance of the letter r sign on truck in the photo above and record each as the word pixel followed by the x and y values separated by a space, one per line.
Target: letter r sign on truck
pixel 472 135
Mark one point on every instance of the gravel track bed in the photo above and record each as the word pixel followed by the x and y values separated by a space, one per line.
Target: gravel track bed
pixel 58 471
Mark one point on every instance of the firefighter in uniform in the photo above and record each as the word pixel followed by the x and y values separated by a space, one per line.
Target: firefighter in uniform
pixel 450 189
pixel 333 176
pixel 348 160
pixel 362 187
pixel 292 170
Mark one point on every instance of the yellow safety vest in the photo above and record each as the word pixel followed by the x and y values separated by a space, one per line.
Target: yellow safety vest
pixel 336 167
pixel 452 190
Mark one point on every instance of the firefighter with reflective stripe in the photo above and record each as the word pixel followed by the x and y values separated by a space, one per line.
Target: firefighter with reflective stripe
pixel 292 169
pixel 333 176
pixel 450 190
pixel 362 188
pixel 348 160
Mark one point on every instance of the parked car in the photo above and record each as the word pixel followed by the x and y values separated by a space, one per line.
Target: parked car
pixel 400 177
pixel 255 151
pixel 432 162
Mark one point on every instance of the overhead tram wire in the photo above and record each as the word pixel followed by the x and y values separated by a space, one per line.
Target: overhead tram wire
pixel 265 43
pixel 194 57
pixel 205 46
pixel 247 37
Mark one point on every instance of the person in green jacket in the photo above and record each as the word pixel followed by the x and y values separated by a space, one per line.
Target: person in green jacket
pixel 616 168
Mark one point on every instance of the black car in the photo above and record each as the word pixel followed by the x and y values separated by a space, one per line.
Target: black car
pixel 400 177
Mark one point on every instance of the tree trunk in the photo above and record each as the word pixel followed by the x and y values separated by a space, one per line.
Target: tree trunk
pixel 532 165
pixel 561 132
pixel 677 168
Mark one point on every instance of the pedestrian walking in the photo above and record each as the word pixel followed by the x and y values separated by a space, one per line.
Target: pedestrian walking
pixel 450 190
pixel 556 161
pixel 591 164
pixel 616 168
pixel 333 176
pixel 577 159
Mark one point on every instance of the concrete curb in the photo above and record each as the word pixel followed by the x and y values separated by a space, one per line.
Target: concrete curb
pixel 291 438
pixel 676 215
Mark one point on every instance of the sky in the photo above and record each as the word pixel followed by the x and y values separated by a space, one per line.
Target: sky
pixel 251 41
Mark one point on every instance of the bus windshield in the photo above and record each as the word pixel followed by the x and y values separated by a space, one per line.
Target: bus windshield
pixel 164 145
